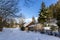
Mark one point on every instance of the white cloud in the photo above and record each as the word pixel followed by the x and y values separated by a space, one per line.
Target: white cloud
pixel 36 18
pixel 30 19
pixel 27 20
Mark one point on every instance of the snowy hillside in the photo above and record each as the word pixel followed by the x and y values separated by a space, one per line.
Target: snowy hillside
pixel 16 34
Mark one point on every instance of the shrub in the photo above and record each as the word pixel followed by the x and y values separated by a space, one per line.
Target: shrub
pixel 22 28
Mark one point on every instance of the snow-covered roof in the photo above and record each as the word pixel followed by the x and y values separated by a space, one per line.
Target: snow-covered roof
pixel 32 26
pixel 47 28
pixel 26 24
pixel 54 24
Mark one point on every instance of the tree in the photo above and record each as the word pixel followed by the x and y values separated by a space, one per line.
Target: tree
pixel 9 8
pixel 41 18
pixel 21 21
pixel 33 20
pixel 12 22
pixel 57 14
pixel 55 10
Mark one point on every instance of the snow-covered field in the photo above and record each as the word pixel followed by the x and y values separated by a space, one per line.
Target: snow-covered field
pixel 16 34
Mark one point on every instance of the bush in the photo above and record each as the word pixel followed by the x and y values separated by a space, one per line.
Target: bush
pixel 1 28
pixel 53 28
pixel 22 28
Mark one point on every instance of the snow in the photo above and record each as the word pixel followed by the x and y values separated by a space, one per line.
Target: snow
pixel 32 25
pixel 16 34
pixel 47 28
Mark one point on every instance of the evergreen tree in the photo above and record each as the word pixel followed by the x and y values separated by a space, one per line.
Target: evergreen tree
pixel 55 10
pixel 33 20
pixel 42 14
pixel 57 14
pixel 22 28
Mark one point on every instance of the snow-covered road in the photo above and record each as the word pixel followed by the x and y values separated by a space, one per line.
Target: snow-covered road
pixel 16 34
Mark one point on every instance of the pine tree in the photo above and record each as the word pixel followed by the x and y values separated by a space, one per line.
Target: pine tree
pixel 33 20
pixel 57 14
pixel 55 10
pixel 42 17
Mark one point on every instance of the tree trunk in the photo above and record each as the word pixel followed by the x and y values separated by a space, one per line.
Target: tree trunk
pixel 1 24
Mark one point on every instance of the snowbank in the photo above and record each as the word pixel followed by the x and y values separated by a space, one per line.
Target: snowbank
pixel 16 34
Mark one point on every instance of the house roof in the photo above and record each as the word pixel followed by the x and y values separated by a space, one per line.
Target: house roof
pixel 31 23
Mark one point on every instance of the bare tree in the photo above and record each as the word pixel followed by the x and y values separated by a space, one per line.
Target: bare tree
pixel 8 7
pixel 21 19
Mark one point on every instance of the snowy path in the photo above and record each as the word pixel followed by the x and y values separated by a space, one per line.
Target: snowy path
pixel 16 34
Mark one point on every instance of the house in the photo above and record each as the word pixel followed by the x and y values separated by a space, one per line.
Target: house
pixel 39 27
pixel 34 26
pixel 29 25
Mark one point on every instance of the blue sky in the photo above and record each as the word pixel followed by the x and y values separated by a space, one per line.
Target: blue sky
pixel 34 8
